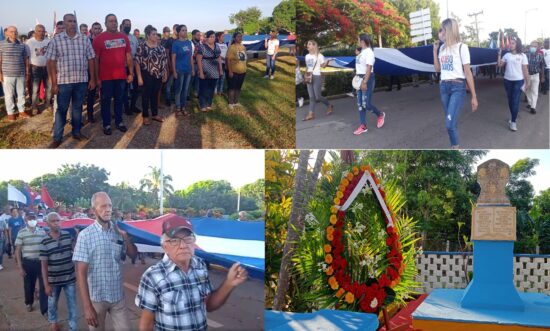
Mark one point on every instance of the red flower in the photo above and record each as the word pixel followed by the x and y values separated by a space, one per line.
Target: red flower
pixel 384 281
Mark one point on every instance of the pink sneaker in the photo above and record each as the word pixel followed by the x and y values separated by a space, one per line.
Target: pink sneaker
pixel 361 129
pixel 380 122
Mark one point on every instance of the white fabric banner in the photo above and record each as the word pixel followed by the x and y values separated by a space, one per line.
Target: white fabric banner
pixel 16 195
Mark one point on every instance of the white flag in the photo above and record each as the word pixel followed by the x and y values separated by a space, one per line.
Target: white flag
pixel 16 195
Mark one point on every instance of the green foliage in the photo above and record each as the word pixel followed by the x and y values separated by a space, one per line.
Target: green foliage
pixel 152 184
pixel 338 83
pixel 519 190
pixel 405 7
pixel 208 194
pixel 247 20
pixel 284 15
pixel 253 195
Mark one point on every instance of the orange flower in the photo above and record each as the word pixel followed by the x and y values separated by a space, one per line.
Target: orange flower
pixel 369 168
pixel 345 182
pixel 341 188
pixel 330 237
pixel 355 171
pixel 333 219
pixel 377 181
pixel 339 195
pixel 329 271
pixel 336 201
pixel 340 292
pixel 327 248
pixel 328 258
pixel 395 282
pixel 349 297
pixel 350 176
pixel 334 209
pixel 363 168
pixel 330 229
pixel 333 283
pixel 402 268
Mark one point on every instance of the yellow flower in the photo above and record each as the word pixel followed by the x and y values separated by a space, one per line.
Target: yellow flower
pixel 349 297
pixel 333 219
pixel 345 182
pixel 330 237
pixel 329 271
pixel 341 188
pixel 327 248
pixel 339 195
pixel 334 209
pixel 333 283
pixel 328 258
pixel 340 292
pixel 336 201
pixel 330 229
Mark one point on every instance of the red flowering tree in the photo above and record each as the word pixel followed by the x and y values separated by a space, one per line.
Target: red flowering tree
pixel 329 21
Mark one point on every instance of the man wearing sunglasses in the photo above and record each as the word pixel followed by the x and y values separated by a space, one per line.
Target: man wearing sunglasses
pixel 176 293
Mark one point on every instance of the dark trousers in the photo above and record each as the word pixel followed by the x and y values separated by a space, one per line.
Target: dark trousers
pixel 513 92
pixel 149 97
pixel 111 89
pixel 394 80
pixel 90 103
pixel 33 272
pixel 130 101
pixel 206 92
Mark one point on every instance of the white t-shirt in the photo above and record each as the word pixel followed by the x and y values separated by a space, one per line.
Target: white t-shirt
pixel 37 50
pixel 366 57
pixel 514 63
pixel 271 44
pixel 223 47
pixel 312 66
pixel 452 62
pixel 546 57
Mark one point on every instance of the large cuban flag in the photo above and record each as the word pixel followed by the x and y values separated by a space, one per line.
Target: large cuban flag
pixel 256 43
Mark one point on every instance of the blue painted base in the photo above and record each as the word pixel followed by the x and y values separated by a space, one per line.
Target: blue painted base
pixel 324 319
pixel 493 283
pixel 444 305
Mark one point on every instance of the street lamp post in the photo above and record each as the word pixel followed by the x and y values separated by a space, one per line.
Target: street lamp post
pixel 525 31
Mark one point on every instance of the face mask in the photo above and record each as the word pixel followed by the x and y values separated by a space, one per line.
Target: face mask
pixel 533 49
pixel 32 223
pixel 127 29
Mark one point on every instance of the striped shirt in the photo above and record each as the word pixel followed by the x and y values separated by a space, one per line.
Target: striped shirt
pixel 177 298
pixel 536 63
pixel 72 55
pixel 58 253
pixel 30 242
pixel 12 56
pixel 103 251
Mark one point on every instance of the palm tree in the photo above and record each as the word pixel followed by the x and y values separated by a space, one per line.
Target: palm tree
pixel 151 183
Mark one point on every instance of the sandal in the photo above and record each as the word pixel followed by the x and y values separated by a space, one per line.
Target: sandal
pixel 330 109
pixel 309 116
pixel 158 119
pixel 146 121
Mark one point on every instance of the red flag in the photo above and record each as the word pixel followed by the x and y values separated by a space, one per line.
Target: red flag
pixel 46 198
pixel 32 195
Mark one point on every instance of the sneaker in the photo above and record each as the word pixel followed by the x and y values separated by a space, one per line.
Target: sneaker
pixel 29 308
pixel 122 128
pixel 266 76
pixel 107 130
pixel 272 77
pixel 300 102
pixel 80 137
pixel 533 111
pixel 380 122
pixel 1 267
pixel 513 126
pixel 361 129
pixel 54 144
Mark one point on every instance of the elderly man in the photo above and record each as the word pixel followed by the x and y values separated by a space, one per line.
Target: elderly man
pixel 176 293
pixel 130 107
pixel 70 57
pixel 39 73
pixel 99 252
pixel 58 273
pixel 27 253
pixel 14 66
pixel 536 74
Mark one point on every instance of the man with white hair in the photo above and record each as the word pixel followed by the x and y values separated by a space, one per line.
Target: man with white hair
pixel 99 252
pixel 176 293
pixel 39 73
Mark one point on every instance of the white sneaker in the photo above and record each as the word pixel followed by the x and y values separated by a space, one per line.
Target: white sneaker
pixel 513 126
pixel 1 267
pixel 266 76
pixel 272 77
pixel 300 102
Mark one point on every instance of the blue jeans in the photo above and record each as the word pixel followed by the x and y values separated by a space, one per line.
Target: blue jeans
pixel 110 89
pixel 364 101
pixel 513 92
pixel 40 75
pixel 182 88
pixel 270 64
pixel 169 84
pixel 195 80
pixel 13 86
pixel 2 245
pixel 69 93
pixel 206 92
pixel 220 83
pixel 452 96
pixel 70 296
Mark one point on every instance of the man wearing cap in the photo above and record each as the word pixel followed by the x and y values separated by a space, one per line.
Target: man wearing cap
pixel 27 254
pixel 176 293
pixel 99 252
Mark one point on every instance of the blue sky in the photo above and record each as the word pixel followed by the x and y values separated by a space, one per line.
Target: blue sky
pixel 202 15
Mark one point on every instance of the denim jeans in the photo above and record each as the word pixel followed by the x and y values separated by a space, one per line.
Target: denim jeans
pixel 546 81
pixel 169 87
pixel 182 88
pixel 220 83
pixel 206 92
pixel 69 93
pixel 90 102
pixel 452 96
pixel 195 80
pixel 40 75
pixel 364 101
pixel 270 64
pixel 13 86
pixel 513 92
pixel 110 89
pixel 2 248
pixel 70 296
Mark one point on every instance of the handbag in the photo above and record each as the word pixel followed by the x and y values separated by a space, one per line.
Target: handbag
pixel 356 82
pixel 308 77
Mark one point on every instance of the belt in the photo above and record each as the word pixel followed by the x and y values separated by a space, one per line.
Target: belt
pixel 360 75
pixel 34 260
pixel 32 65
pixel 457 80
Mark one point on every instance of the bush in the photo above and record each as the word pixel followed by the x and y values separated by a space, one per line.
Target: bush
pixel 338 83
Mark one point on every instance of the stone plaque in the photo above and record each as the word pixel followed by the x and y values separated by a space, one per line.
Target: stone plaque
pixel 493 176
pixel 494 223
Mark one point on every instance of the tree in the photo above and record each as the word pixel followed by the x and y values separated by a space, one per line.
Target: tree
pixel 152 183
pixel 247 20
pixel 284 15
pixel 18 184
pixel 128 198
pixel 209 194
pixel 519 189
pixel 405 7
pixel 255 192
pixel 540 213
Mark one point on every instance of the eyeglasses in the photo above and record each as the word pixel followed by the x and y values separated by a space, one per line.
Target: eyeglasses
pixel 176 242
pixel 441 30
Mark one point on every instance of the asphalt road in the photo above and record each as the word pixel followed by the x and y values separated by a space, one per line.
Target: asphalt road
pixel 242 311
pixel 415 120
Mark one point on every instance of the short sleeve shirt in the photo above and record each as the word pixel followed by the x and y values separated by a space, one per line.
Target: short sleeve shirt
pixel 546 57
pixel 15 224
pixel 71 55
pixel 452 60
pixel 313 63
pixel 210 61
pixel 236 56
pixel 183 49
pixel 30 242
pixel 177 298
pixel 366 57
pixel 153 60
pixel 223 49
pixel 103 251
pixel 12 55
pixel 37 51
pixel 271 45
pixel 111 50
pixel 514 65
pixel 58 253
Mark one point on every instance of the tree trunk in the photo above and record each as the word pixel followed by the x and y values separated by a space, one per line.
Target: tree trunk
pixel 311 185
pixel 347 156
pixel 293 223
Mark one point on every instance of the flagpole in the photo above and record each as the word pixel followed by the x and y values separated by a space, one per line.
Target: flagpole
pixel 161 182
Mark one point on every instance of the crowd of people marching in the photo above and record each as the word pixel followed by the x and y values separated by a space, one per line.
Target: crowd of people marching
pixel 77 64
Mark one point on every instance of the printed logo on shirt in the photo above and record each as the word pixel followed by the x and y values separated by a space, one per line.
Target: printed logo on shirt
pixel 447 62
pixel 115 43
pixel 242 56
pixel 186 49
pixel 310 63
pixel 40 51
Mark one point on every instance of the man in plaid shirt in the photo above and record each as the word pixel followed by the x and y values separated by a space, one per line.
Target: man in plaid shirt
pixel 536 74
pixel 176 293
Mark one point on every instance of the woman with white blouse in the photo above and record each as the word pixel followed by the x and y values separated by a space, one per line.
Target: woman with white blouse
pixel 314 62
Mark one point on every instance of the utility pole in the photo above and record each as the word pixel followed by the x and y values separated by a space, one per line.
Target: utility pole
pixel 476 24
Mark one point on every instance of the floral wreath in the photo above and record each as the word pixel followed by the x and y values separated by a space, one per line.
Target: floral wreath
pixel 372 294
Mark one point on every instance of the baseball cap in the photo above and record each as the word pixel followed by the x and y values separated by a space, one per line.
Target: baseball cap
pixel 172 226
pixel 30 215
